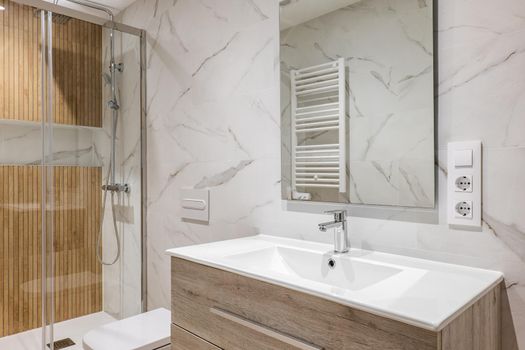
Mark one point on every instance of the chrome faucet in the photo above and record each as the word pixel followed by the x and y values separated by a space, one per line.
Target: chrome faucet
pixel 341 241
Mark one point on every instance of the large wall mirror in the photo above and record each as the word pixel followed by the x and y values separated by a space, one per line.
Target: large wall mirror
pixel 357 101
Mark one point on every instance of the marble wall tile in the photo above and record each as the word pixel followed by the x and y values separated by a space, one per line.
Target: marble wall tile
pixel 480 46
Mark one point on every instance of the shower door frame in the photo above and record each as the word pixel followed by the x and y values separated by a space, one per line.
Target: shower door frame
pixel 47 9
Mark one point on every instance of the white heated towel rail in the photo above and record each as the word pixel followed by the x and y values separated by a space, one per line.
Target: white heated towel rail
pixel 318 105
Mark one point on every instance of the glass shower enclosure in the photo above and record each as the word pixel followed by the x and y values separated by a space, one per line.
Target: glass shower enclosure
pixel 72 181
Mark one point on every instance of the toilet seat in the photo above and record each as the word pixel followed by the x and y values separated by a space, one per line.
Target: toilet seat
pixel 147 331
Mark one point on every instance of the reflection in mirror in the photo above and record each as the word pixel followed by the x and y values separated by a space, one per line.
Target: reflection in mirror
pixel 357 101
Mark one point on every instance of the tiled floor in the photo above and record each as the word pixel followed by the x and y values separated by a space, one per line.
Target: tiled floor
pixel 74 329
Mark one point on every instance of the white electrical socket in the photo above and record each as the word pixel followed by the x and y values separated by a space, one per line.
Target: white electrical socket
pixel 463 209
pixel 464 184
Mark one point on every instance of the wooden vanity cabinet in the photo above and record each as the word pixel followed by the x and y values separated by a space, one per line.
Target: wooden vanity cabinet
pixel 216 309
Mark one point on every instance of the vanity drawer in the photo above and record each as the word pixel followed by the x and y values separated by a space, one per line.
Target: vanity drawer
pixel 184 340
pixel 237 312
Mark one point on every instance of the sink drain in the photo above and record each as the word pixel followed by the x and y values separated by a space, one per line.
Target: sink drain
pixel 331 263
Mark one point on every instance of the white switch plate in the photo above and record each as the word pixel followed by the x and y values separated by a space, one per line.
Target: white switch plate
pixel 464 160
pixel 195 204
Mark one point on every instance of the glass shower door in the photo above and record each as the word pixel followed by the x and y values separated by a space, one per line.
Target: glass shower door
pixel 122 280
pixel 94 184
pixel 69 260
pixel 73 177
pixel 24 305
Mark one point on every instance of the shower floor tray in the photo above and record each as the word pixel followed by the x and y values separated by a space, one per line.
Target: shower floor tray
pixel 74 329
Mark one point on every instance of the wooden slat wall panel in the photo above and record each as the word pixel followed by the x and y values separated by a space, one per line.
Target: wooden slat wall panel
pixel 78 275
pixel 77 68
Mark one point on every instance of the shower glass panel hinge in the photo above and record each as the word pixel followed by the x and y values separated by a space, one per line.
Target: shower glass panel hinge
pixel 117 66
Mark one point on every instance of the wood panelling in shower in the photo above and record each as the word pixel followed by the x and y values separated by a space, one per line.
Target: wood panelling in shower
pixel 75 211
pixel 77 68
pixel 76 217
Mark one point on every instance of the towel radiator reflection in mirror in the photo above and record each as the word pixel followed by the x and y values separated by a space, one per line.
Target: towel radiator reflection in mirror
pixel 318 107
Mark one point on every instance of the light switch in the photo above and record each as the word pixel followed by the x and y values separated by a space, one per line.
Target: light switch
pixel 463 158
pixel 195 204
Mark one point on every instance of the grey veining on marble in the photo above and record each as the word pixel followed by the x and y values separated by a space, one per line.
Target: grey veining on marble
pixel 387 46
pixel 222 177
pixel 473 35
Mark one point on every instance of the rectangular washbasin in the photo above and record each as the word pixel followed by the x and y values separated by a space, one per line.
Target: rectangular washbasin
pixel 341 271
pixel 424 293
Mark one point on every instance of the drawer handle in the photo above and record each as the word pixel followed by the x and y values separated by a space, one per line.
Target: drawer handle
pixel 298 343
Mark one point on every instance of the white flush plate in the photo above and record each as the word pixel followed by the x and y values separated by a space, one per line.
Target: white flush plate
pixel 195 204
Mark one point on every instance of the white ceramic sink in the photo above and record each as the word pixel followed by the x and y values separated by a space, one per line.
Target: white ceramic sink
pixel 347 272
pixel 424 293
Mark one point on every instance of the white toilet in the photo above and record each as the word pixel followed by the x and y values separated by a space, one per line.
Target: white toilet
pixel 147 331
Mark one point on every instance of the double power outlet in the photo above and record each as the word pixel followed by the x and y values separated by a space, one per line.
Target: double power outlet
pixel 464 183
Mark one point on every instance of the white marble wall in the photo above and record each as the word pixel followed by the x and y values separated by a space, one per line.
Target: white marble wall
pixel 214 122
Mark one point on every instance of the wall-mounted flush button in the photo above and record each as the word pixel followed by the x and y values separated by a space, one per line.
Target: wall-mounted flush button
pixel 464 183
pixel 464 209
pixel 195 204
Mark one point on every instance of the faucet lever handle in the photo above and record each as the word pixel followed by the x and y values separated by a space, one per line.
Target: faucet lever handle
pixel 339 214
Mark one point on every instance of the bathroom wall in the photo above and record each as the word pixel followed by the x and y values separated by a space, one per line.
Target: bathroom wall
pixel 213 121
